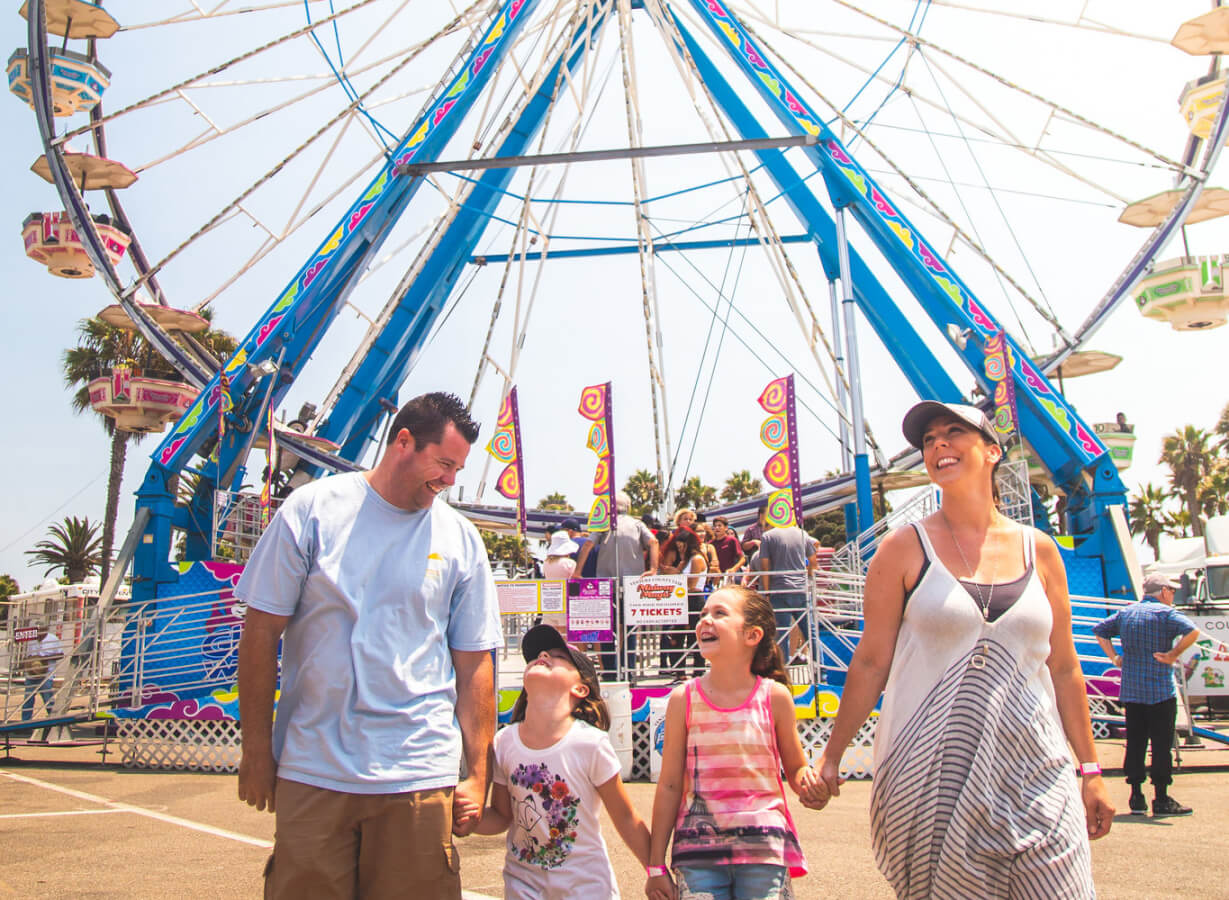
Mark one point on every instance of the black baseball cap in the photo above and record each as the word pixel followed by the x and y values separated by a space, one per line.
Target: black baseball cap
pixel 546 637
pixel 916 420
pixel 570 525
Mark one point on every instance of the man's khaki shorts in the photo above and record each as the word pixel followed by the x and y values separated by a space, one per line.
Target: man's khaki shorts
pixel 334 845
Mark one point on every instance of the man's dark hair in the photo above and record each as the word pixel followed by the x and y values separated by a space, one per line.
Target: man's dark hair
pixel 426 416
pixel 722 520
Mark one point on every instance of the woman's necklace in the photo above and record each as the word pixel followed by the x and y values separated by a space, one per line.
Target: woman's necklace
pixel 982 601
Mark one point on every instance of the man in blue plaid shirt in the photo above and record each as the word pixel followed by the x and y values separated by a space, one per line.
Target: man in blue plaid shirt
pixel 1147 630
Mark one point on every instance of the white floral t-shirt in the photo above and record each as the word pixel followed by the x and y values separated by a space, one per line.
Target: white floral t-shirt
pixel 555 845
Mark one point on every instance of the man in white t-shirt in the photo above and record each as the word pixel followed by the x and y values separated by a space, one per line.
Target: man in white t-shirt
pixel 385 606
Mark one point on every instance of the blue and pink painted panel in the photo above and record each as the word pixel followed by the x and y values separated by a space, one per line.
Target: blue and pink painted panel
pixel 181 661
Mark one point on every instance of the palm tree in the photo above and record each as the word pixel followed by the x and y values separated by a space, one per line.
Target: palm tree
pixel 100 348
pixel 1178 524
pixel 1214 490
pixel 1148 516
pixel 740 485
pixel 1222 429
pixel 72 548
pixel 555 501
pixel 8 587
pixel 695 494
pixel 1189 456
pixel 645 492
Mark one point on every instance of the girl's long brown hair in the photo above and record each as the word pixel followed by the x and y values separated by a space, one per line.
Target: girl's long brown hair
pixel 767 661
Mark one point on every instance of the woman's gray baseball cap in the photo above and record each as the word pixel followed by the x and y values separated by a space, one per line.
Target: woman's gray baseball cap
pixel 916 420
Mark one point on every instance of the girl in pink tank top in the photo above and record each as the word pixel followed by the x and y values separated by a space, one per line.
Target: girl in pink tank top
pixel 729 734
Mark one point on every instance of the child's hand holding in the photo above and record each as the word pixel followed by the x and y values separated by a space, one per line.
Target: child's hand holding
pixel 660 887
pixel 812 790
pixel 465 814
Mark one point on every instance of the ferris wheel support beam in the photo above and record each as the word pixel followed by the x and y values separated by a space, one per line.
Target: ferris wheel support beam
pixel 353 420
pixel 291 328
pixel 861 467
pixel 896 332
pixel 1067 446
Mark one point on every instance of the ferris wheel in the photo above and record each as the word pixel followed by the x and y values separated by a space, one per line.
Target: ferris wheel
pixel 522 192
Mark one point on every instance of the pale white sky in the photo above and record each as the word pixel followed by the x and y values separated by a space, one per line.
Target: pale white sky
pixel 1054 232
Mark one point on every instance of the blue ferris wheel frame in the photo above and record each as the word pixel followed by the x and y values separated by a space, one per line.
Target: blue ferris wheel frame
pixel 290 330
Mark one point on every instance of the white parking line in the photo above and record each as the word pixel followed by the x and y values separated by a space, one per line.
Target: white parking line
pixel 149 813
pixel 68 812
pixel 113 806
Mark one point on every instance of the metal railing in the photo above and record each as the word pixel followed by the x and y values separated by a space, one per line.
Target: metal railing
pixel 239 519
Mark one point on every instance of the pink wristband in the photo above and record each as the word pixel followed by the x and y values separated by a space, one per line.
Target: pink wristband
pixel 655 871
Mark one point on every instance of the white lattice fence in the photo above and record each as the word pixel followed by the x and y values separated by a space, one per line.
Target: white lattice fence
pixel 212 746
pixel 198 745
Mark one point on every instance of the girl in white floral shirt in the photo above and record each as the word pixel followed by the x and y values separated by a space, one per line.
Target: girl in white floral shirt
pixel 552 765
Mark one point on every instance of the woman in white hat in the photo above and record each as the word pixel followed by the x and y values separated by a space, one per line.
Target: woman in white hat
pixel 559 566
pixel 968 624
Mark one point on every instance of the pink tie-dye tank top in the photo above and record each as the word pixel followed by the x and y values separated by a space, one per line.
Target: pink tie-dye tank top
pixel 733 808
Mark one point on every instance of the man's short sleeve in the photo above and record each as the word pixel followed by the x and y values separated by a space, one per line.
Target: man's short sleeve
pixel 1107 628
pixel 1179 623
pixel 273 579
pixel 473 615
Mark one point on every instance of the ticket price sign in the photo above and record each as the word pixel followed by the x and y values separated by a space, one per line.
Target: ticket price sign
pixel 591 609
pixel 655 600
pixel 531 597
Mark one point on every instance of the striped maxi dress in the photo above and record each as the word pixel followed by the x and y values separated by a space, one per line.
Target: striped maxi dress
pixel 975 792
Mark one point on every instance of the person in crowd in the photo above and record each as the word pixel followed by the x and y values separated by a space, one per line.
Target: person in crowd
pixel 553 766
pixel 1147 631
pixel 580 537
pixel 968 623
pixel 730 556
pixel 652 523
pixel 384 604
pixel 728 735
pixel 753 535
pixel 630 549
pixel 692 563
pixel 706 535
pixel 786 560
pixel 46 650
pixel 559 566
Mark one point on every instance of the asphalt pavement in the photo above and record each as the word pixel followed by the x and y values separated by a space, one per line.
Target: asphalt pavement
pixel 71 827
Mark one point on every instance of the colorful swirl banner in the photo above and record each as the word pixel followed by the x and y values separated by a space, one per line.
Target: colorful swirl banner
pixel 779 432
pixel 593 402
pixel 597 439
pixel 509 483
pixel 775 397
pixel 502 445
pixel 773 433
pixel 599 515
pixel 601 478
pixel 596 406
pixel 776 470
pixel 781 509
pixel 505 413
pixel 997 367
pixel 505 446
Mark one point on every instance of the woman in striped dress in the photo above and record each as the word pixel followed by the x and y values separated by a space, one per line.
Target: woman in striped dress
pixel 968 623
